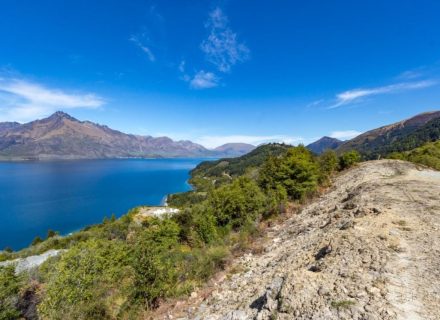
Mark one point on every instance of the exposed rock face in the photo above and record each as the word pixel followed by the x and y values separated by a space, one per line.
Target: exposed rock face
pixel 61 136
pixel 26 264
pixel 325 143
pixel 367 249
pixel 5 126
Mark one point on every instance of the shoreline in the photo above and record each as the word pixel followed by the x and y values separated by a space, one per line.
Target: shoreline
pixel 21 160
pixel 186 186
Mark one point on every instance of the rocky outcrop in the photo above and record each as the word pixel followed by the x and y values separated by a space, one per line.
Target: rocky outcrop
pixel 369 248
pixel 28 263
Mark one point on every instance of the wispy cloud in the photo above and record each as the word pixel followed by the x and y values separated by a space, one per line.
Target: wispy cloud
pixel 344 135
pixel 315 103
pixel 222 48
pixel 203 80
pixel 182 66
pixel 144 48
pixel 22 100
pixel 356 95
pixel 215 141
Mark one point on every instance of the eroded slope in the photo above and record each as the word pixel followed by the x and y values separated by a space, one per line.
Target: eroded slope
pixel 367 249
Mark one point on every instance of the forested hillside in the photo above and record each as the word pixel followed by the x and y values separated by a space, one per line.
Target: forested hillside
pixel 402 136
pixel 428 155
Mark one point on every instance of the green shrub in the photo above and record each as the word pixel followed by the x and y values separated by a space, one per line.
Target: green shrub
pixel 51 233
pixel 297 172
pixel 349 159
pixel 88 282
pixel 36 241
pixel 238 203
pixel 276 200
pixel 155 261
pixel 198 224
pixel 186 199
pixel 328 163
pixel 10 285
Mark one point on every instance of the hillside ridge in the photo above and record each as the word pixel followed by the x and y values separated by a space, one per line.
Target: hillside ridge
pixel 366 249
pixel 398 136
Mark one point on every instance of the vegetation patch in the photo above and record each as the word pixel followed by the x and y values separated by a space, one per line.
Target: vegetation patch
pixel 342 304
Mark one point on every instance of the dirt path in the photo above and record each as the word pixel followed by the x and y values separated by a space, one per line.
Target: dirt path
pixel 367 249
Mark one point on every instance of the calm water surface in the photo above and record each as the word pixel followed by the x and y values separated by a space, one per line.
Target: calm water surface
pixel 66 196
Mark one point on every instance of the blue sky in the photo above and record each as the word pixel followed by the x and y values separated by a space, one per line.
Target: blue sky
pixel 221 71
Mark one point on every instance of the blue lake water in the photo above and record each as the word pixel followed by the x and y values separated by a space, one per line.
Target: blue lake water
pixel 68 195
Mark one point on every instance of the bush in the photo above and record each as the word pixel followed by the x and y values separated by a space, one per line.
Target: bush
pixel 328 163
pixel 198 224
pixel 297 172
pixel 88 282
pixel 275 201
pixel 186 199
pixel 36 241
pixel 428 155
pixel 238 203
pixel 10 285
pixel 349 159
pixel 51 233
pixel 155 261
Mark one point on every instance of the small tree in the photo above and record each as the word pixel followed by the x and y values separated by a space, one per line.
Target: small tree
pixel 10 285
pixel 51 233
pixel 238 203
pixel 36 241
pixel 156 273
pixel 349 159
pixel 328 163
pixel 297 172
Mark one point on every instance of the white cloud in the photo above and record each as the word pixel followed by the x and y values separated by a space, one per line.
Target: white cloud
pixel 202 80
pixel 345 135
pixel 144 48
pixel 222 47
pixel 21 100
pixel 315 103
pixel 215 141
pixel 182 66
pixel 410 74
pixel 355 95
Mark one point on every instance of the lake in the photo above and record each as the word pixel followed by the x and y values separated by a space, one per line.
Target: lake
pixel 68 195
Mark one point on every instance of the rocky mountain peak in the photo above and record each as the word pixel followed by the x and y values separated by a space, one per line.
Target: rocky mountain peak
pixel 323 144
pixel 62 115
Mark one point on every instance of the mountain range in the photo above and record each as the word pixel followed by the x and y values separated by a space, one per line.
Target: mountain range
pixel 397 137
pixel 61 136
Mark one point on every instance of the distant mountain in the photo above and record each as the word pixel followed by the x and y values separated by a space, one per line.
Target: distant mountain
pixel 5 126
pixel 61 136
pixel 323 144
pixel 234 149
pixel 400 136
